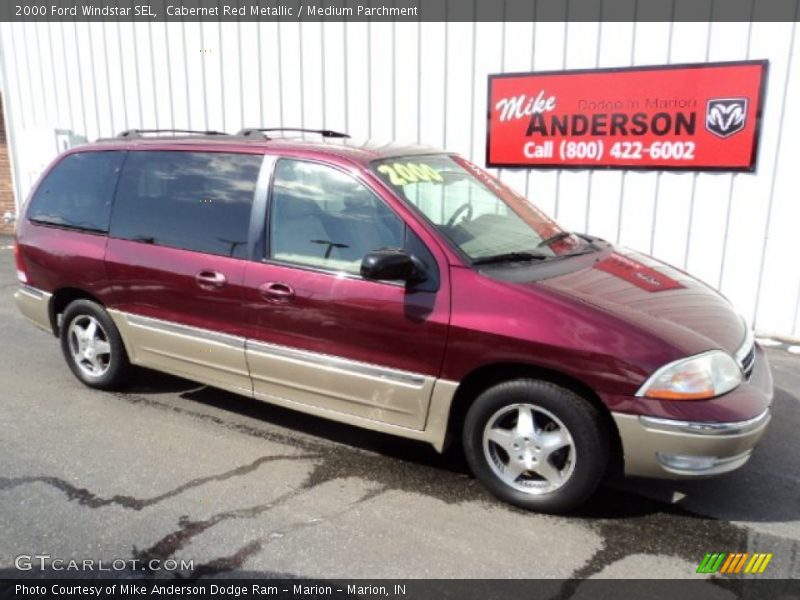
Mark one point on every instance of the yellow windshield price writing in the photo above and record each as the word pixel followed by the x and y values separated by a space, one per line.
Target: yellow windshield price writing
pixel 404 173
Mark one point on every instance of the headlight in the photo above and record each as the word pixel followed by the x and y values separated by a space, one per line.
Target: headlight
pixel 695 378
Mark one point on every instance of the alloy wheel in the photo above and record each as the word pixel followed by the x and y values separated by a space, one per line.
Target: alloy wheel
pixel 89 345
pixel 529 448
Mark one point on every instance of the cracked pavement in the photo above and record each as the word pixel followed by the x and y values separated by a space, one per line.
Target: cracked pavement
pixel 173 469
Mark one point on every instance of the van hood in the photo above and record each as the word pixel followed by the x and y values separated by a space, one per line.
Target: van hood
pixel 655 296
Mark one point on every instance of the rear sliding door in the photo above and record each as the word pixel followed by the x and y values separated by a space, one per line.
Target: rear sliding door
pixel 176 258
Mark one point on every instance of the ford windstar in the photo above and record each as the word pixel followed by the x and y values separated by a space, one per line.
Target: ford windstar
pixel 401 289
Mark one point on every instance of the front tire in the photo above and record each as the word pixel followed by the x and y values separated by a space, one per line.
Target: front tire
pixel 536 445
pixel 92 346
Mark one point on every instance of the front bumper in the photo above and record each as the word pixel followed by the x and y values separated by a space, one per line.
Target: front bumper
pixel 687 445
pixel 670 449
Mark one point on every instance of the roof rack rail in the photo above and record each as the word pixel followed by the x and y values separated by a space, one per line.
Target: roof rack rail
pixel 326 133
pixel 134 133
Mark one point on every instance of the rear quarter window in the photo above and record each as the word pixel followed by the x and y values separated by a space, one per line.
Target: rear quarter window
pixel 198 201
pixel 78 192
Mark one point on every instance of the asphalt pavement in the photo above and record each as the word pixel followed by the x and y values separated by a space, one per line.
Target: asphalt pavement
pixel 170 469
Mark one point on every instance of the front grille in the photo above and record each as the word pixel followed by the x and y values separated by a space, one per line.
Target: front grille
pixel 748 361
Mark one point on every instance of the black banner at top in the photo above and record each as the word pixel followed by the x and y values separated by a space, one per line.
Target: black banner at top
pixel 399 10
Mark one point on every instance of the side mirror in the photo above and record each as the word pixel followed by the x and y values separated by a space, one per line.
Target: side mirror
pixel 392 264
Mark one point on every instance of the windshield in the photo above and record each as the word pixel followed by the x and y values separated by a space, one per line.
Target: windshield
pixel 481 216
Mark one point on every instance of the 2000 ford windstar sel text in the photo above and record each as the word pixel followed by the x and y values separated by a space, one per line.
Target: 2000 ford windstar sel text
pixel 400 289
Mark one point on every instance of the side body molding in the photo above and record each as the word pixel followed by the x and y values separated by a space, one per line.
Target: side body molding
pixel 202 355
pixel 388 400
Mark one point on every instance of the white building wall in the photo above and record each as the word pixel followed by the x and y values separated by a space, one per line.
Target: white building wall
pixel 426 83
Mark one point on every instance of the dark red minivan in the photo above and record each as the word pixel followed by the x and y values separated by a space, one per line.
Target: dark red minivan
pixel 397 288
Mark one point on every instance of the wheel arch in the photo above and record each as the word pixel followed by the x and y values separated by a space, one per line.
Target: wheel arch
pixel 61 299
pixel 486 376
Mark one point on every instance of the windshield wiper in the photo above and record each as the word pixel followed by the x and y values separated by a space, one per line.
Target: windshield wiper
pixel 554 238
pixel 509 257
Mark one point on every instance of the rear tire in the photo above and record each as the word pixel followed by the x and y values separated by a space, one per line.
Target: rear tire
pixel 536 445
pixel 92 346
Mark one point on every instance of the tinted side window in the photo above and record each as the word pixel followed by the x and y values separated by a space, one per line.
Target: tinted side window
pixel 78 191
pixel 323 218
pixel 197 201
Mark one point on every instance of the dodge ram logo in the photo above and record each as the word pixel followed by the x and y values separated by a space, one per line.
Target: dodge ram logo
pixel 726 116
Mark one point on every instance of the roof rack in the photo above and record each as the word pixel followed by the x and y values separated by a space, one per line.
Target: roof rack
pixel 326 133
pixel 135 133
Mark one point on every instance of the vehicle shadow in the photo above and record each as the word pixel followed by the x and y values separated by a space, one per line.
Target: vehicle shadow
pixel 146 381
pixel 767 489
pixel 149 382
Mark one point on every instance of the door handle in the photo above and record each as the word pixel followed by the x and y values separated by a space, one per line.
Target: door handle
pixel 210 280
pixel 275 291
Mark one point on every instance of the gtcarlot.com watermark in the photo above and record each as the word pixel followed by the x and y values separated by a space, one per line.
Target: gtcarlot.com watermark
pixel 47 562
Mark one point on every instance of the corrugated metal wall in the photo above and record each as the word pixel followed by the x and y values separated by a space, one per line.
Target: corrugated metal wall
pixel 427 82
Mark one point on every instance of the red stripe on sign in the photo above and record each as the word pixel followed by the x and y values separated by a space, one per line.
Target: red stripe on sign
pixel 637 273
